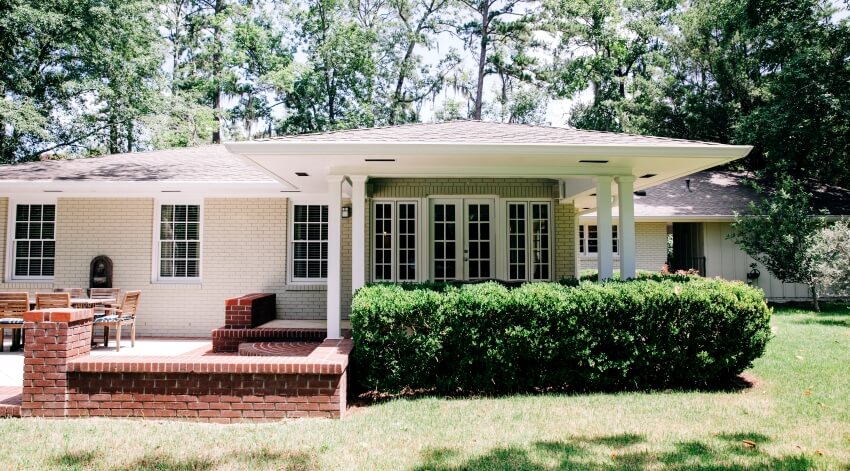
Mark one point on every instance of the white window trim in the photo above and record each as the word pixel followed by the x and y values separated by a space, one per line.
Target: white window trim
pixel 505 243
pixel 290 248
pixel 10 239
pixel 594 255
pixel 157 247
pixel 420 237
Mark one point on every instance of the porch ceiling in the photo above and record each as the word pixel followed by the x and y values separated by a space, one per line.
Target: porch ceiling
pixel 305 165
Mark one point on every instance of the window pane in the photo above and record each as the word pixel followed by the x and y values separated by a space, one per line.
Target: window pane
pixel 180 244
pixel 309 241
pixel 34 248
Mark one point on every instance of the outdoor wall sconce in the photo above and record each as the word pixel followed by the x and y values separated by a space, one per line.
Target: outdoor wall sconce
pixel 753 275
pixel 346 212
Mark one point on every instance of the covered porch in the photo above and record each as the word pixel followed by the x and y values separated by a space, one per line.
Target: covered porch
pixel 467 224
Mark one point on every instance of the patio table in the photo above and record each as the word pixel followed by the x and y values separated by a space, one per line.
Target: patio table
pixel 84 303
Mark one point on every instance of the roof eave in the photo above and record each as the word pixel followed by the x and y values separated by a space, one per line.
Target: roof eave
pixel 301 148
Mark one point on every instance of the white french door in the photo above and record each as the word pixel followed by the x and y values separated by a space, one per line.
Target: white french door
pixel 462 239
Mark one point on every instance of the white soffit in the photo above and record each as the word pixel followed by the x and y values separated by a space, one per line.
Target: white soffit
pixel 306 164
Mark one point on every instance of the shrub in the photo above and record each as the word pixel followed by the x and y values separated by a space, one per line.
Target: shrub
pixel 486 338
pixel 829 250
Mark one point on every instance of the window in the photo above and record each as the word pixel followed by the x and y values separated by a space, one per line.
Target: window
pixel 528 241
pixel 394 237
pixel 179 242
pixel 309 242
pixel 34 251
pixel 588 239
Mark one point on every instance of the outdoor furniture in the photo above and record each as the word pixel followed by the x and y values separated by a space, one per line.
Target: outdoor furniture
pixel 12 309
pixel 125 314
pixel 52 300
pixel 74 292
pixel 112 294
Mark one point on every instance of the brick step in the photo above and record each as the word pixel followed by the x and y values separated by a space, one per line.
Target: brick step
pixel 10 401
pixel 227 339
pixel 275 349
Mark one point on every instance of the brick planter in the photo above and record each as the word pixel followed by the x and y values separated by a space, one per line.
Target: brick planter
pixel 54 337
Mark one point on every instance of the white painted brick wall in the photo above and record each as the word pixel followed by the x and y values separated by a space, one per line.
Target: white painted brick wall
pixel 651 240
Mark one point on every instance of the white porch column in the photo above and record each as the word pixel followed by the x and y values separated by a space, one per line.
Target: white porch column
pixel 626 233
pixel 334 255
pixel 605 255
pixel 358 231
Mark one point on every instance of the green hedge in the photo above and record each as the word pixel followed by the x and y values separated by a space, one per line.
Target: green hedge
pixel 486 338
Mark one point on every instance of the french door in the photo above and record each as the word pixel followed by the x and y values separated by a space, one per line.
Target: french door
pixel 462 235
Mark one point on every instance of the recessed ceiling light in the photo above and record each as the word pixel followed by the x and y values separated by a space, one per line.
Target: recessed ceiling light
pixel 593 161
pixel 302 174
pixel 648 175
pixel 379 160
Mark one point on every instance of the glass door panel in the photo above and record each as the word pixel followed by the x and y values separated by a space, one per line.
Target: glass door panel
pixel 445 240
pixel 479 239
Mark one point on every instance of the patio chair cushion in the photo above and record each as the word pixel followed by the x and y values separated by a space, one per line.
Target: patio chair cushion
pixel 11 320
pixel 111 318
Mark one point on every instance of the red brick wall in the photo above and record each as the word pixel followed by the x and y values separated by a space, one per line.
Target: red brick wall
pixel 206 397
pixel 250 310
pixel 53 338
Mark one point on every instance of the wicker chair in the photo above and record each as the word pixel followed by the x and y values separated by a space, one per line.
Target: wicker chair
pixel 118 317
pixel 74 292
pixel 52 300
pixel 104 293
pixel 12 309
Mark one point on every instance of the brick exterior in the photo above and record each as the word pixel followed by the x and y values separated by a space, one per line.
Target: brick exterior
pixel 651 244
pixel 564 253
pixel 249 311
pixel 209 397
pixel 53 339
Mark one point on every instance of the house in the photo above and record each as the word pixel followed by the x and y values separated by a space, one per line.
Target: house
pixel 691 217
pixel 313 217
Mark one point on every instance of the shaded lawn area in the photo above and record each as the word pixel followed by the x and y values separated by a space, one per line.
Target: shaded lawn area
pixel 796 416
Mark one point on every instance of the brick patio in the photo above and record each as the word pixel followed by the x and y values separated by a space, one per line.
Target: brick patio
pixel 264 382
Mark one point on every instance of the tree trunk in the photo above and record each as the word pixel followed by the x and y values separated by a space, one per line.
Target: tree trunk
pixel 131 140
pixel 482 58
pixel 815 302
pixel 399 86
pixel 113 134
pixel 216 60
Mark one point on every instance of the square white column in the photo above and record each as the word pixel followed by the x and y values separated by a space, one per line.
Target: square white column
pixel 358 231
pixel 334 284
pixel 605 254
pixel 627 245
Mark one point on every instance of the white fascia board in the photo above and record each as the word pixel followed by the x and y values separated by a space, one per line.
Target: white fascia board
pixel 362 148
pixel 117 189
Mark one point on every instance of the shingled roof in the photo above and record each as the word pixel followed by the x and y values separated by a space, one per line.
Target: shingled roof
pixel 212 163
pixel 720 194
pixel 479 132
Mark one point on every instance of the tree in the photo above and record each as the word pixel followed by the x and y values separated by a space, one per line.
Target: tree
pixel 606 46
pixel 830 251
pixel 335 88
pixel 777 232
pixel 75 76
pixel 501 32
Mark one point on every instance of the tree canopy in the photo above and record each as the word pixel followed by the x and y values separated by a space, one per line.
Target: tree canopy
pixel 88 77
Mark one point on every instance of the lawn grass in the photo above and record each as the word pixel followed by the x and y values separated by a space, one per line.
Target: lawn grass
pixel 797 415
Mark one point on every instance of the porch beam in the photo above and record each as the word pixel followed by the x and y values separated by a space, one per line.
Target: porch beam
pixel 334 283
pixel 605 254
pixel 358 231
pixel 626 233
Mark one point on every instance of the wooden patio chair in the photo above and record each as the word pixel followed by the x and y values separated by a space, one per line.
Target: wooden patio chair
pixel 74 292
pixel 52 300
pixel 12 309
pixel 105 293
pixel 125 314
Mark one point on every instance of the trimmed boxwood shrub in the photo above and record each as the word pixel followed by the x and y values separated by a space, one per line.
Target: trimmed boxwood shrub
pixel 486 338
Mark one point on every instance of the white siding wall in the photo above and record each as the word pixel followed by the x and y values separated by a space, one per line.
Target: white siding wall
pixel 724 259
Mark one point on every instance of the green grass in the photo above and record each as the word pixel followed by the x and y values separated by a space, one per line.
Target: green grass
pixel 797 414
